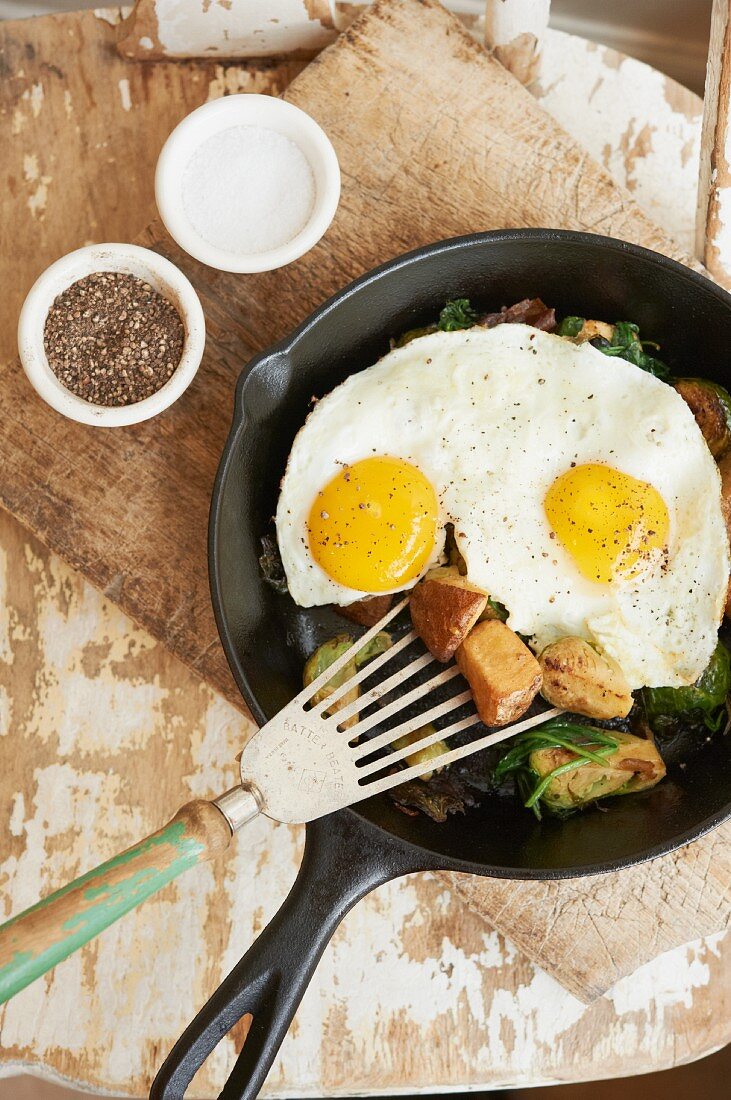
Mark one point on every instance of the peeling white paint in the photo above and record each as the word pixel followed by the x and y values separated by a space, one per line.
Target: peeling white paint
pixel 36 99
pixel 204 30
pixel 17 814
pixel 506 19
pixel 227 80
pixel 605 106
pixel 113 16
pixel 18 120
pixel 722 236
pixel 6 712
pixel 36 201
pixel 669 980
pixel 124 95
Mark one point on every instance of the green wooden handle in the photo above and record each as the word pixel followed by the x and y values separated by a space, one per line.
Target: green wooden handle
pixel 35 940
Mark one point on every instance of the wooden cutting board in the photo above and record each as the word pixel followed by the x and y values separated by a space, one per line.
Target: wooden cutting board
pixel 434 139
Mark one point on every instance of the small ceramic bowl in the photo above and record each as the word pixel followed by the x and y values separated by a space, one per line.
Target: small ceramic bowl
pixel 130 259
pixel 224 114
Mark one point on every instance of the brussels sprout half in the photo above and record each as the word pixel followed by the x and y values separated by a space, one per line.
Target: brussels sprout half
pixel 711 406
pixel 421 756
pixel 565 765
pixel 635 765
pixel 326 655
pixel 702 703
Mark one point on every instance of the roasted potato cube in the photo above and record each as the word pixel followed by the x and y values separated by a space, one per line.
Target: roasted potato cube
pixel 368 611
pixel 711 407
pixel 444 608
pixel 577 678
pixel 503 674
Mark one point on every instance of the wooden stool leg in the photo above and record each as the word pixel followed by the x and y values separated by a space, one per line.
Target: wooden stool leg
pixel 513 31
pixel 713 223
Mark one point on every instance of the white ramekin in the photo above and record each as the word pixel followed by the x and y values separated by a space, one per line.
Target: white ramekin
pixel 130 259
pixel 246 110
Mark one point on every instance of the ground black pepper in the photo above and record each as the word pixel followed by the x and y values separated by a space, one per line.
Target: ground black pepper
pixel 113 340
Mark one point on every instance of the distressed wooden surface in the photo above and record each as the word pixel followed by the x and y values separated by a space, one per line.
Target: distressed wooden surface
pixel 415 992
pixel 514 32
pixel 80 132
pixel 442 972
pixel 642 126
pixel 255 28
pixel 158 29
pixel 713 226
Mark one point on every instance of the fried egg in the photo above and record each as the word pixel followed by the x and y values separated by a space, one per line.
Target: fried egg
pixel 581 490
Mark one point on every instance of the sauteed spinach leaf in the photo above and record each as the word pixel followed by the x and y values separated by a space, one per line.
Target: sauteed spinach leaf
pixel 625 343
pixel 457 314
pixel 270 563
pixel 702 705
pixel 444 794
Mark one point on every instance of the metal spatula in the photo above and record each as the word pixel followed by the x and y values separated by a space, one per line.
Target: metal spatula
pixel 306 762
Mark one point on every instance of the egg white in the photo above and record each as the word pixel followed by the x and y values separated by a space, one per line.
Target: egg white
pixel 492 418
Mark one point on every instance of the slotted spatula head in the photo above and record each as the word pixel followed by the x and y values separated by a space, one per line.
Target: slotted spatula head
pixel 313 759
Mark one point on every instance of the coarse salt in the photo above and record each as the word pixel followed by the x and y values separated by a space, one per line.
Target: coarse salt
pixel 248 190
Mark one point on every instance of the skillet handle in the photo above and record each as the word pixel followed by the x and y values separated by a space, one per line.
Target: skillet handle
pixel 345 858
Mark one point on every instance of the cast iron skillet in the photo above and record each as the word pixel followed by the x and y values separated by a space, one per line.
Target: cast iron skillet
pixel 267 638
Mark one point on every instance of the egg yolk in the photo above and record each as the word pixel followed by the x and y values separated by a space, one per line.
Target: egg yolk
pixel 609 522
pixel 373 527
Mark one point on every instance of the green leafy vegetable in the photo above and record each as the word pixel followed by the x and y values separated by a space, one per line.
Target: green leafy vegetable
pixel 270 563
pixel 499 610
pixel 444 794
pixel 570 326
pixel 702 704
pixel 564 766
pixel 626 344
pixel 457 314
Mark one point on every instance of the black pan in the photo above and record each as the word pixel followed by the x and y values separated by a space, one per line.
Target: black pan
pixel 267 638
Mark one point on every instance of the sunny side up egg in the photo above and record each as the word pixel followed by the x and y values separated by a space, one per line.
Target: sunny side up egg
pixel 583 495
